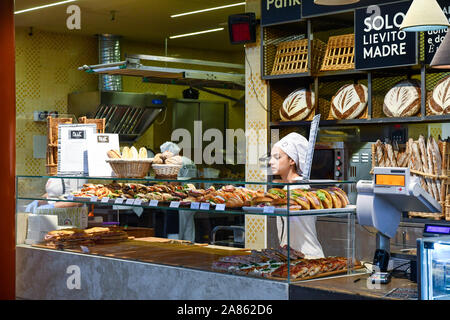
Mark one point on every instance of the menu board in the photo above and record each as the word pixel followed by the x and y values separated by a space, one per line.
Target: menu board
pixel 379 43
pixel 277 11
pixel 433 39
pixel 309 9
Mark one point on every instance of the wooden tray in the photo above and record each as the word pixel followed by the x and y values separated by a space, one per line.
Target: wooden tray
pixel 321 275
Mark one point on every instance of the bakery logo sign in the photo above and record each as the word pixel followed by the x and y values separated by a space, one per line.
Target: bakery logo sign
pixel 77 134
pixel 379 42
pixel 276 11
pixel 102 139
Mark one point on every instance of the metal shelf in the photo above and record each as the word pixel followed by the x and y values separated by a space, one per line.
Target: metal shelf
pixel 325 123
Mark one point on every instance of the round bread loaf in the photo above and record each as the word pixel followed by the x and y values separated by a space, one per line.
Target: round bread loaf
pixel 349 102
pixel 440 98
pixel 126 154
pixel 298 105
pixel 403 100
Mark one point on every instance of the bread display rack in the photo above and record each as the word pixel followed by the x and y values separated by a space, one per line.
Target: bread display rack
pixel 52 143
pixel 340 53
pixel 292 56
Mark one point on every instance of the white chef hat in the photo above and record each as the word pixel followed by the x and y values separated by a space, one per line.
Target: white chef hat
pixel 295 146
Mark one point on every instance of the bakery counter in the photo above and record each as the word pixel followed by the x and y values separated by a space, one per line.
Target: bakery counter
pixel 54 274
pixel 353 287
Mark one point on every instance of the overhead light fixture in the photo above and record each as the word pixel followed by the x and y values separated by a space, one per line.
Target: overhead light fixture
pixel 209 9
pixel 195 33
pixel 44 6
pixel 334 2
pixel 424 15
pixel 441 59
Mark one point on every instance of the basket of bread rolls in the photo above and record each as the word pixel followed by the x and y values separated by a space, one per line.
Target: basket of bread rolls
pixel 167 165
pixel 131 163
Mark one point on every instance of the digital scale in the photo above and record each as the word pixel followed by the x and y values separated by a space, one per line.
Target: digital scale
pixel 380 203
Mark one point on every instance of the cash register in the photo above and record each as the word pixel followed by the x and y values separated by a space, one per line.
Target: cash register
pixel 380 203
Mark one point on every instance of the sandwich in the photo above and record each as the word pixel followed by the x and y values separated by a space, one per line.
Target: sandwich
pixel 341 195
pixel 261 201
pixel 313 200
pixel 299 196
pixel 325 197
pixel 276 193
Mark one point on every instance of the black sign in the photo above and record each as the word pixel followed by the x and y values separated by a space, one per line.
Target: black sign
pixel 309 9
pixel 379 43
pixel 103 139
pixel 433 39
pixel 276 11
pixel 77 134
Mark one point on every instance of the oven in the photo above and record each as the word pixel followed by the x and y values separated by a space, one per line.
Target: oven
pixel 329 161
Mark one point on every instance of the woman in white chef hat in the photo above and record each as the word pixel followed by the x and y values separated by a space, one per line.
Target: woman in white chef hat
pixel 288 158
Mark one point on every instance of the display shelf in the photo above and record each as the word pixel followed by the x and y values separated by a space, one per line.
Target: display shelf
pixel 212 209
pixel 328 123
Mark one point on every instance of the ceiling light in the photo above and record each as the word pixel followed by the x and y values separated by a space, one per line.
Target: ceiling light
pixel 334 2
pixel 441 59
pixel 195 33
pixel 424 15
pixel 210 9
pixel 44 6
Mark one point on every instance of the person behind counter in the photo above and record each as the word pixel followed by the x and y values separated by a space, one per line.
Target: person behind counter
pixel 288 157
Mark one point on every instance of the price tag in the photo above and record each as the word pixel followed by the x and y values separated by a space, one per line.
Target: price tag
pixel 137 202
pixel 204 206
pixel 269 209
pixel 195 205
pixel 94 199
pixel 153 203
pixel 174 204
pixel 119 201
pixel 105 200
pixel 129 201
pixel 220 206
pixel 84 249
pixel 70 197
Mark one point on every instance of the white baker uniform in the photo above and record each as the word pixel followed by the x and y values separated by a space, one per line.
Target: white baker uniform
pixel 302 232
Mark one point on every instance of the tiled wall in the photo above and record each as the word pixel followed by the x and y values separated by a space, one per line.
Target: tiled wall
pixel 46 72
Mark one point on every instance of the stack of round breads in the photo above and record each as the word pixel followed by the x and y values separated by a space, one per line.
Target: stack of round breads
pixel 167 157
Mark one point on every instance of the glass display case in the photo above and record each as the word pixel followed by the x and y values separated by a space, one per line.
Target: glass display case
pixel 189 223
pixel 433 258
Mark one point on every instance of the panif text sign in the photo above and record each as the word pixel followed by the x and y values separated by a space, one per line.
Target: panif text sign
pixel 379 43
pixel 277 11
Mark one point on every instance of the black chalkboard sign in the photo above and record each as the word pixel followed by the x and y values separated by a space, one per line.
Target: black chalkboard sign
pixel 278 11
pixel 379 43
pixel 309 9
pixel 433 39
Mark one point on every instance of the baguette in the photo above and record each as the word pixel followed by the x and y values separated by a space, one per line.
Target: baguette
pixel 390 154
pixel 379 153
pixel 431 165
pixel 438 164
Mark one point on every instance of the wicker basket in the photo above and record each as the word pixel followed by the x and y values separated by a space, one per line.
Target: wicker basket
pixel 166 170
pixel 292 57
pixel 124 168
pixel 340 53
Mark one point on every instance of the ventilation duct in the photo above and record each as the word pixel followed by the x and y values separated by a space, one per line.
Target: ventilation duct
pixel 109 52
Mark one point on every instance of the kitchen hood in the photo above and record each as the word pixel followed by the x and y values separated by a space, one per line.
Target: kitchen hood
pixel 125 113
